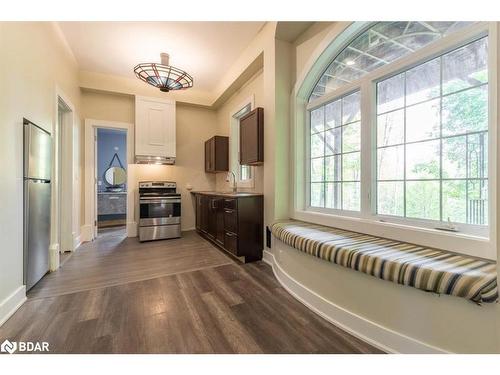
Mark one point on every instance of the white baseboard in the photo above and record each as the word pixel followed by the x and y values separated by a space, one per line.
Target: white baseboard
pixel 366 330
pixel 131 229
pixel 77 241
pixel 10 304
pixel 267 257
pixel 54 256
pixel 86 233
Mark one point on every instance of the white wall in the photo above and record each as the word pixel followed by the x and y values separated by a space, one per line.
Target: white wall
pixel 33 62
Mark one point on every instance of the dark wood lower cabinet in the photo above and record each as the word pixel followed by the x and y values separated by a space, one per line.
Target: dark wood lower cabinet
pixel 233 223
pixel 219 220
pixel 202 207
pixel 211 218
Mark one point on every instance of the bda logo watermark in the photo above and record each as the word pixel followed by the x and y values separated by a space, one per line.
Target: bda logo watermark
pixel 8 347
pixel 24 346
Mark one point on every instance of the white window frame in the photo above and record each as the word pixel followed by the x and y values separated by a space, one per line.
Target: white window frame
pixel 340 93
pixel 471 239
pixel 235 144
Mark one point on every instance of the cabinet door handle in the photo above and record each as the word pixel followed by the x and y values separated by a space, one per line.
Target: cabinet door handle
pixel 229 211
pixel 230 234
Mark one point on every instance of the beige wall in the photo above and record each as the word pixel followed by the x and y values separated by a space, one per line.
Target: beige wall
pixel 109 107
pixel 194 125
pixel 307 42
pixel 34 61
pixel 254 87
pixel 132 86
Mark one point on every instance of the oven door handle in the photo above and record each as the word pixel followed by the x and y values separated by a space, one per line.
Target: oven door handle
pixel 165 200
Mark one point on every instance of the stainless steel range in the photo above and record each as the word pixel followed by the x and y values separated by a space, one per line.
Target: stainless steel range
pixel 160 210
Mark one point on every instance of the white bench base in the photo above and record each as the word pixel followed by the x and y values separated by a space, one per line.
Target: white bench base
pixel 392 317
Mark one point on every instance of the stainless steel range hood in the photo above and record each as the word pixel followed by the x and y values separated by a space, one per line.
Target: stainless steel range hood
pixel 143 159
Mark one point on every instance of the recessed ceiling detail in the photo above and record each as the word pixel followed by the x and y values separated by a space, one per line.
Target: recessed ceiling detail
pixel 163 76
pixel 206 50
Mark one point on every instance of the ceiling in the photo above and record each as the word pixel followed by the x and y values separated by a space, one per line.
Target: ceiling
pixel 205 50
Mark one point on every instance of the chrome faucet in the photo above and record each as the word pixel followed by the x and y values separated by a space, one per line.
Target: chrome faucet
pixel 228 178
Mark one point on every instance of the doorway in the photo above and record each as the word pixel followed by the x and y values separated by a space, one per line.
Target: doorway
pixel 116 184
pixel 63 210
pixel 64 224
pixel 111 177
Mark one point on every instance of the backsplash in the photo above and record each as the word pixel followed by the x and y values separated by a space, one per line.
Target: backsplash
pixel 222 185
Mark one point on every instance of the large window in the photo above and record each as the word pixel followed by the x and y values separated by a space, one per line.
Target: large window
pixel 399 127
pixel 335 154
pixel 432 137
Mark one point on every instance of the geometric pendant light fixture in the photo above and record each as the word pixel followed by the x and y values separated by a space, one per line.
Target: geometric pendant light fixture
pixel 163 76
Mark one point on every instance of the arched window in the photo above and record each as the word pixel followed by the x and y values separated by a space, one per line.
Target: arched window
pixel 398 125
pixel 379 45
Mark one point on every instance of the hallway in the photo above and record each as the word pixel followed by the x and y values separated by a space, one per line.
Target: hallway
pixel 116 295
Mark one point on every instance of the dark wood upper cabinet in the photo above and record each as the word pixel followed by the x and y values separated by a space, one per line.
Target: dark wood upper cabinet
pixel 217 154
pixel 252 137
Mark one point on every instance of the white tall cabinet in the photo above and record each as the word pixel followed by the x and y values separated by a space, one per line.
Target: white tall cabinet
pixel 154 130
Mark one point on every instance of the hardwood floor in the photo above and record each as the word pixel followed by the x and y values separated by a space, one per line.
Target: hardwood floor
pixel 180 296
pixel 115 259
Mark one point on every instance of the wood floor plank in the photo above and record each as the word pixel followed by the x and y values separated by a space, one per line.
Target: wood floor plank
pixel 124 303
pixel 206 322
pixel 234 332
pixel 115 260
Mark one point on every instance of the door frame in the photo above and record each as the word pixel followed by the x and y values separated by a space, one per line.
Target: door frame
pixel 91 126
pixel 62 233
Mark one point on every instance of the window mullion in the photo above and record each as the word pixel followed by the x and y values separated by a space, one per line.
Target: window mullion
pixel 341 164
pixel 441 138
pixel 404 147
pixel 324 157
pixel 366 150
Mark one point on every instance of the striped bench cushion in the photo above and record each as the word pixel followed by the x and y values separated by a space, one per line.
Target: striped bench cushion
pixel 424 268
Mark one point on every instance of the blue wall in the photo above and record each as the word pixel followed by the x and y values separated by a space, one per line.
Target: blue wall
pixel 107 141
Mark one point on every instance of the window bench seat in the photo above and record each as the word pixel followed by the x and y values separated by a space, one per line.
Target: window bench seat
pixel 421 267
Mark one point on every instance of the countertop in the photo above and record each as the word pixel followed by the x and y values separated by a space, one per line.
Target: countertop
pixel 230 194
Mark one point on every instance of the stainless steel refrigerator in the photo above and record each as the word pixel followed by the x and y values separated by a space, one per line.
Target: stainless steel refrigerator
pixel 37 191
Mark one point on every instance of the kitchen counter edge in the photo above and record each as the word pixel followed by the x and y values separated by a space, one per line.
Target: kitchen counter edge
pixel 241 194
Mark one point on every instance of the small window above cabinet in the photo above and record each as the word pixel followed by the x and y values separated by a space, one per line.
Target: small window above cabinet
pixel 252 137
pixel 217 154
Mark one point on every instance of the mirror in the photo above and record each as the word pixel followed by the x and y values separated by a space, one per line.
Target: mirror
pixel 115 176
